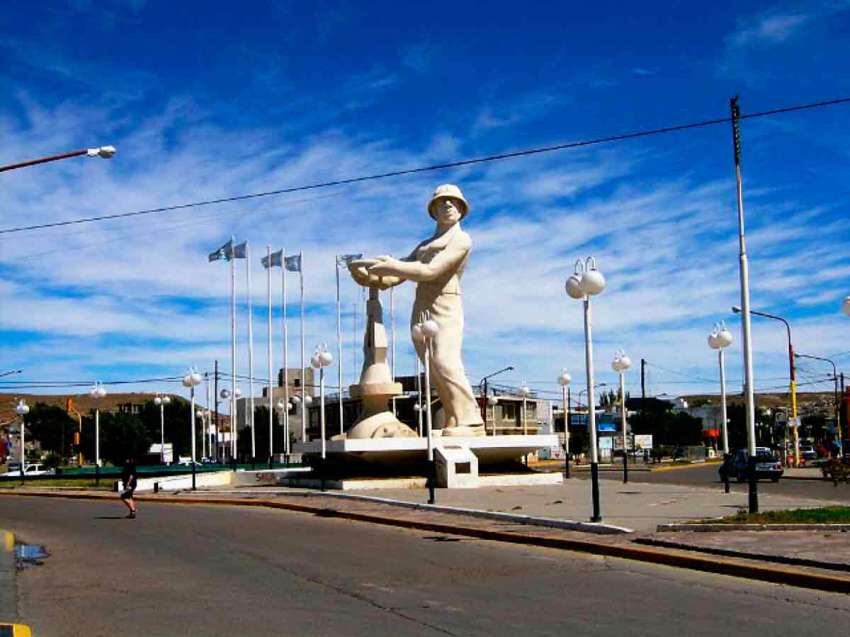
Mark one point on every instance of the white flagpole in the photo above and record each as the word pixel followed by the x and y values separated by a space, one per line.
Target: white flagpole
pixel 232 350
pixel 208 421
pixel 271 371
pixel 285 355
pixel 392 348
pixel 250 354
pixel 303 369
pixel 339 342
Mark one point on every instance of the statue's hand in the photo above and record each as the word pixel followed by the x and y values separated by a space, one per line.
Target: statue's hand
pixel 385 266
pixel 359 274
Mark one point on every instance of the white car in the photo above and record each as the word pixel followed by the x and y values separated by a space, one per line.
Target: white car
pixel 30 469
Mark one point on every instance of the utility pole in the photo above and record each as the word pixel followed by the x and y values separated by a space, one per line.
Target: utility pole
pixel 215 398
pixel 642 380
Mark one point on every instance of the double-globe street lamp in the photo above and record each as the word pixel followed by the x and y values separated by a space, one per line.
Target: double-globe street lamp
pixel 564 381
pixel 845 305
pixel 191 380
pixel 425 332
pixel 586 281
pixel 22 409
pixel 322 358
pixel 97 393
pixel 236 395
pixel 161 402
pixel 620 364
pixel 720 338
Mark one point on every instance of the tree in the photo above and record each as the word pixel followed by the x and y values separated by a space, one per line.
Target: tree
pixel 52 427
pixel 261 422
pixel 666 426
pixel 122 436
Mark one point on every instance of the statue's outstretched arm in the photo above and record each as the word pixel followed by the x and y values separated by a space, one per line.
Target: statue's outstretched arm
pixel 444 263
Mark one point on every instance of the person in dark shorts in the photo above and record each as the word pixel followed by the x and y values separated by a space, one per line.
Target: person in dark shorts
pixel 128 478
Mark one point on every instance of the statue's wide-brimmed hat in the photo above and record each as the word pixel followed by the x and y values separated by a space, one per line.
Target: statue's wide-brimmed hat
pixel 451 191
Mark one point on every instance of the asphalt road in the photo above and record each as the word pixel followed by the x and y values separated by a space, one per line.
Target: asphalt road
pixel 706 475
pixel 179 570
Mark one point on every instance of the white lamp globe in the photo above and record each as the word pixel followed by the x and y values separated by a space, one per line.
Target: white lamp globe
pixel 625 362
pixel 592 281
pixel 308 400
pixel 845 305
pixel 22 409
pixel 713 341
pixel 416 407
pixel 157 401
pixel 492 401
pixel 166 400
pixel 430 328
pixel 564 379
pixel 326 358
pixel 315 361
pixel 724 337
pixel 573 286
pixel 224 393
pixel 237 393
pixel 196 378
pixel 280 405
pixel 523 389
pixel 295 400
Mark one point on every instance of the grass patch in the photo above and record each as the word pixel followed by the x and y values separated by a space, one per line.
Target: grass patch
pixel 822 515
pixel 8 483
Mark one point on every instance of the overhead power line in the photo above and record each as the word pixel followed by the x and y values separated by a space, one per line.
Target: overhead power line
pixel 433 167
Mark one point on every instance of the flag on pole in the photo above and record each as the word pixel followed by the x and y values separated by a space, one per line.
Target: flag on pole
pixel 240 251
pixel 274 260
pixel 224 252
pixel 293 263
pixel 345 259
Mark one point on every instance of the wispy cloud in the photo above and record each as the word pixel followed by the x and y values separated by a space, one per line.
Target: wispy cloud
pixel 769 29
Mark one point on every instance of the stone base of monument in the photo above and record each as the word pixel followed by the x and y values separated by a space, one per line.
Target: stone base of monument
pixel 466 462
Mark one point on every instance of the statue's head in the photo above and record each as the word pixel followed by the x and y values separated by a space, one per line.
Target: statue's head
pixel 448 204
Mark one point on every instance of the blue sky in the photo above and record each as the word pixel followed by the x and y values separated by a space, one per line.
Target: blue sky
pixel 205 100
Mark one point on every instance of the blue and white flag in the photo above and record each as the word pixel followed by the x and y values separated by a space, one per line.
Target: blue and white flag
pixel 240 251
pixel 293 263
pixel 224 252
pixel 276 260
pixel 345 259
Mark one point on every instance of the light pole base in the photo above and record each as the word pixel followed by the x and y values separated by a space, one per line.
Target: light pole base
pixel 594 485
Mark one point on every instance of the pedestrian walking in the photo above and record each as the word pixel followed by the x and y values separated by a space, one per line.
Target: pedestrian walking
pixel 128 479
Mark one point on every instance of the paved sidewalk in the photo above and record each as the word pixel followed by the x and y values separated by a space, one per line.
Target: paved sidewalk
pixel 639 505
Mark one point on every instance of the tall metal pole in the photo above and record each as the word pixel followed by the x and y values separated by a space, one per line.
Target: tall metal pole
pixel 192 432
pixel 339 343
pixel 745 311
pixel 161 431
pixel 322 410
pixel 565 397
pixel 591 411
pixel 233 428
pixel 207 433
pixel 285 356
pixel 392 346
pixel 271 362
pixel 724 419
pixel 303 369
pixel 250 354
pixel 215 401
pixel 625 428
pixel 432 478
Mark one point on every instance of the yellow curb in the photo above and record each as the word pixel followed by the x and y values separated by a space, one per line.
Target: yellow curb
pixel 735 567
pixel 690 465
pixel 8 541
pixel 15 630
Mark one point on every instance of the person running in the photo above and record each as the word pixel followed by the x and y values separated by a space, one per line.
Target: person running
pixel 128 478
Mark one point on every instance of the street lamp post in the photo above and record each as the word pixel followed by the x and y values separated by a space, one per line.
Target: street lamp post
pixel 587 281
pixel 104 152
pixel 744 270
pixel 564 381
pixel 161 402
pixel 191 380
pixel 22 409
pixel 720 338
pixel 97 392
pixel 425 332
pixel 620 364
pixel 321 359
pixel 492 401
pixel 835 391
pixel 524 391
pixel 483 383
pixel 792 375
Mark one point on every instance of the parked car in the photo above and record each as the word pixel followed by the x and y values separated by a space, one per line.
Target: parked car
pixel 807 453
pixel 30 469
pixel 767 466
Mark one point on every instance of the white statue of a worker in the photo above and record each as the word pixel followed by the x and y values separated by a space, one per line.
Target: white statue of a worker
pixel 436 265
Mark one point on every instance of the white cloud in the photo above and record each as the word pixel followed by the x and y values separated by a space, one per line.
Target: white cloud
pixel 769 29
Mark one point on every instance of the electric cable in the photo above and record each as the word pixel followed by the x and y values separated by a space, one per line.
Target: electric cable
pixel 433 167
